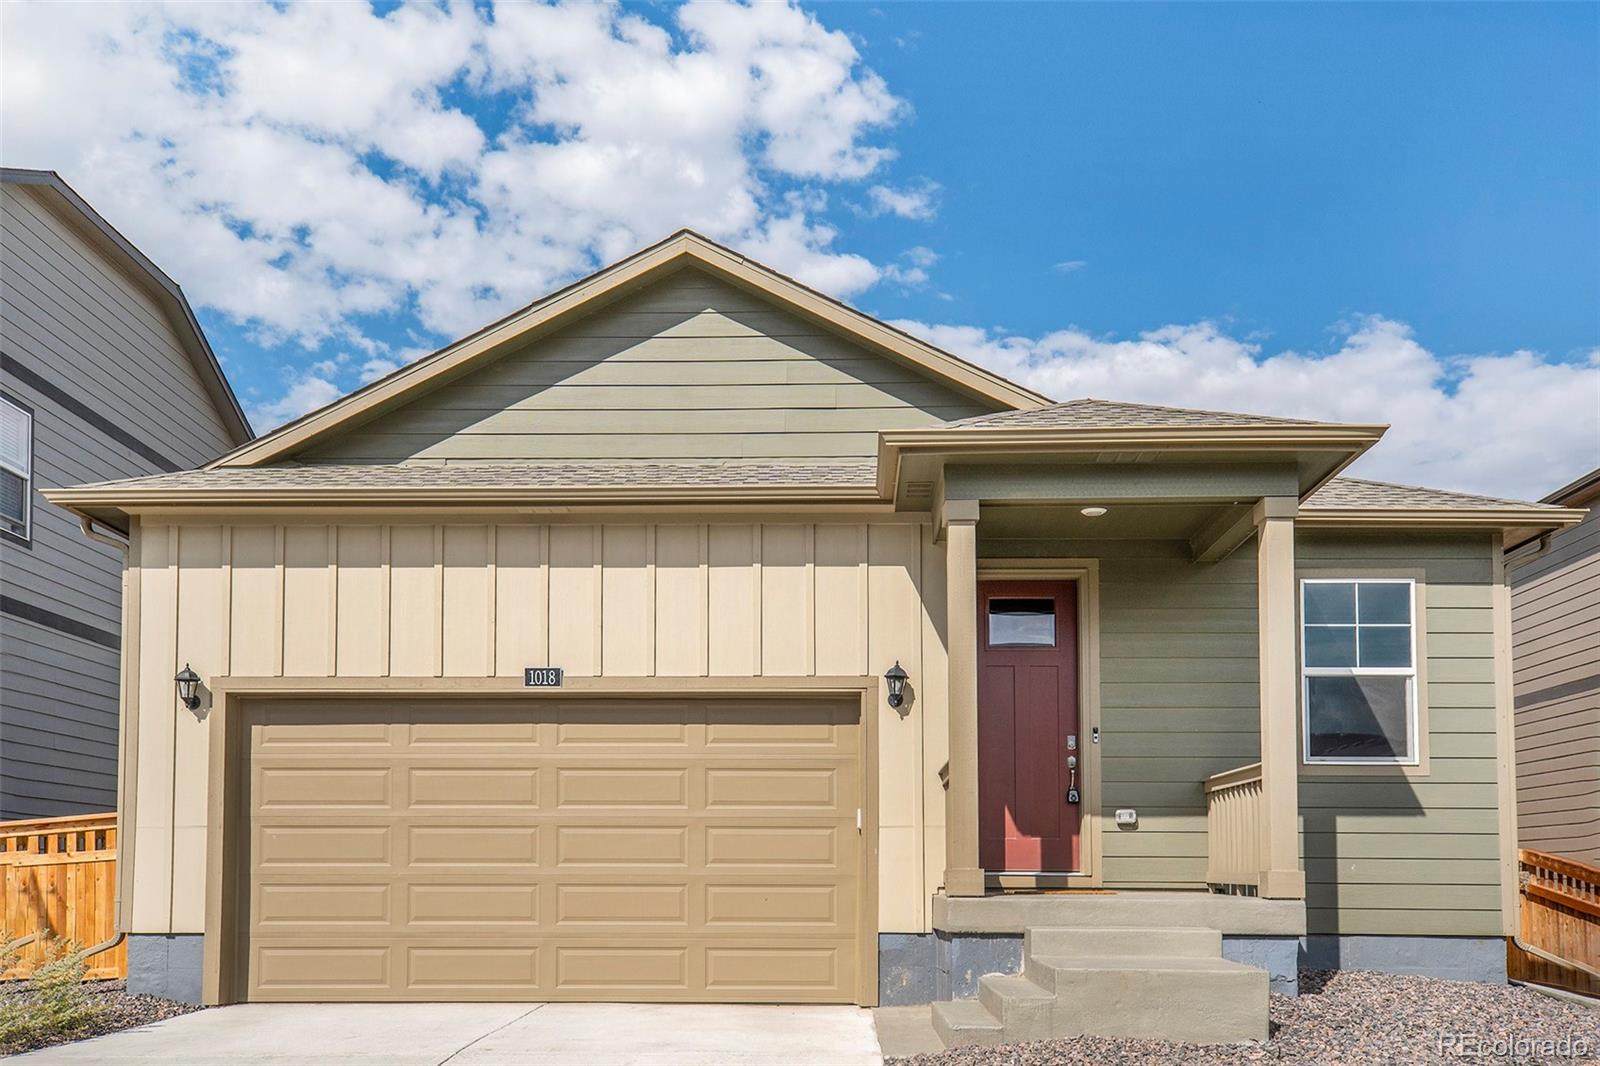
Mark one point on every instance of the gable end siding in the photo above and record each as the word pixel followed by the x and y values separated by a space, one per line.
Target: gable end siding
pixel 691 368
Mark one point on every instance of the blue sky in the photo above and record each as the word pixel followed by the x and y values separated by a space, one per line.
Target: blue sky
pixel 1358 212
pixel 1277 166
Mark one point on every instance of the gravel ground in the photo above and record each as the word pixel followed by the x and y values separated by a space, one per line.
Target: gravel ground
pixel 1345 1017
pixel 118 1010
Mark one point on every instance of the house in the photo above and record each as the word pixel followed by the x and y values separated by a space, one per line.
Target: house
pixel 688 635
pixel 104 373
pixel 1555 627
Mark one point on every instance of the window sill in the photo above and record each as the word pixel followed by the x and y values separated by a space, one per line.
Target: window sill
pixel 1397 771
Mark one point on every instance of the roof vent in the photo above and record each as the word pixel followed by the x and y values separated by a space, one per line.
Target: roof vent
pixel 918 490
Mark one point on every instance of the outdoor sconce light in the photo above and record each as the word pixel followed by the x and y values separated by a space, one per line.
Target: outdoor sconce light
pixel 188 687
pixel 896 677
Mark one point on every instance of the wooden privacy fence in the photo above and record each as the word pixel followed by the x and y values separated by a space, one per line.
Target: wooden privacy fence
pixel 1560 924
pixel 60 876
pixel 1233 830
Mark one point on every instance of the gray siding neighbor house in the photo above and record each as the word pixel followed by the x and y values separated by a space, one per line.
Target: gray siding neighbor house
pixel 104 373
pixel 1555 625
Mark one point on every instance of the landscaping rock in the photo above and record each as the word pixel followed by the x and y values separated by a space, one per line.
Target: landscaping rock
pixel 1344 1017
pixel 116 1009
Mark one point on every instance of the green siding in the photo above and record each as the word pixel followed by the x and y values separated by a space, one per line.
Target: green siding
pixel 691 368
pixel 1416 855
pixel 1391 854
pixel 1178 669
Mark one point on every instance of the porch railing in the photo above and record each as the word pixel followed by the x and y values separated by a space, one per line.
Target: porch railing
pixel 1233 830
pixel 1558 942
pixel 58 876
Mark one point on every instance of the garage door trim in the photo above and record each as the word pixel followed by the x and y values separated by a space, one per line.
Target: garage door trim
pixel 227 878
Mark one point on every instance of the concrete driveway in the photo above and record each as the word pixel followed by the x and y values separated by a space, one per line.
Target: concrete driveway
pixel 479 1034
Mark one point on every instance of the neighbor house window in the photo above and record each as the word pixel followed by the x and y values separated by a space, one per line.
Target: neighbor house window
pixel 1358 654
pixel 16 467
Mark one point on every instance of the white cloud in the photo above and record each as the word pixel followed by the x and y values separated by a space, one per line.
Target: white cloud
pixel 302 166
pixel 919 201
pixel 305 394
pixel 1515 425
pixel 1069 266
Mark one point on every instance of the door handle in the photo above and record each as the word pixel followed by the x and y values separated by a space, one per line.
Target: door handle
pixel 1072 779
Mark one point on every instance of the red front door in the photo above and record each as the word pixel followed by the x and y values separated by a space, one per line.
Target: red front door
pixel 1028 726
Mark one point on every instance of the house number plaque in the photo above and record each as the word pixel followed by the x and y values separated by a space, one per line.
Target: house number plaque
pixel 541 677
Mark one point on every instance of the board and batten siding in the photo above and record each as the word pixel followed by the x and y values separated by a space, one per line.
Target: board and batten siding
pixel 753 599
pixel 691 368
pixel 1179 687
pixel 71 318
pixel 1555 626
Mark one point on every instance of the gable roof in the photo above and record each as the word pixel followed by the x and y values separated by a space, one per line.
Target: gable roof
pixel 683 249
pixel 1090 413
pixel 61 198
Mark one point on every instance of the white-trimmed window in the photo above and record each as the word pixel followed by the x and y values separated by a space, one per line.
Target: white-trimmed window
pixel 1358 655
pixel 16 468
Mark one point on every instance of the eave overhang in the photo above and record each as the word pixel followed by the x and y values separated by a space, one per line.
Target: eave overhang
pixel 1518 525
pixel 112 506
pixel 1329 448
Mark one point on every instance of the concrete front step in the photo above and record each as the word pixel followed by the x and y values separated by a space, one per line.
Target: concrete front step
pixel 1025 1011
pixel 1195 943
pixel 966 1023
pixel 1118 981
pixel 1193 1000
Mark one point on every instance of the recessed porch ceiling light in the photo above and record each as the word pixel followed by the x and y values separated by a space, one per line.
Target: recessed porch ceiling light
pixel 1092 512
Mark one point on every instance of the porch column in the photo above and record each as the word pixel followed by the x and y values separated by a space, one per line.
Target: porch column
pixel 962 876
pixel 1281 876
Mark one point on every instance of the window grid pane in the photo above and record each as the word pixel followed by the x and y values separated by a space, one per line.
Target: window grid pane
pixel 1359 691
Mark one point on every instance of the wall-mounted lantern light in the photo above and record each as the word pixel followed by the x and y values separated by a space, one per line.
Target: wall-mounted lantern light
pixel 896 677
pixel 188 687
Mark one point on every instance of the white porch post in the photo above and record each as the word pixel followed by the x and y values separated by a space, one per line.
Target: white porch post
pixel 963 876
pixel 1281 876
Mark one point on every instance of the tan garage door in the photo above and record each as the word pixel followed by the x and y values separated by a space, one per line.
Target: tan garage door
pixel 553 849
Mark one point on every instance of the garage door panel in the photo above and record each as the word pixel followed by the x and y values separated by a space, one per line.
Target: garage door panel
pixel 456 787
pixel 322 969
pixel 331 787
pixel 472 905
pixel 652 850
pixel 291 847
pixel 622 787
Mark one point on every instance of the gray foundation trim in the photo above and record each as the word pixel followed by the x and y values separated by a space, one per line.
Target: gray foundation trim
pixel 907 969
pixel 1458 958
pixel 1278 955
pixel 962 958
pixel 166 965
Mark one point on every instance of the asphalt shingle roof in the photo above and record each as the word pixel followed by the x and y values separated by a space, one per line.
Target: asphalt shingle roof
pixel 1108 414
pixel 550 475
pixel 1359 492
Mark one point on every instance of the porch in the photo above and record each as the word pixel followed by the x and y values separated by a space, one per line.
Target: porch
pixel 1177 755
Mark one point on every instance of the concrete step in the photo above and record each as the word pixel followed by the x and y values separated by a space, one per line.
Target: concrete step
pixel 1194 1000
pixel 966 1023
pixel 1194 943
pixel 1025 1010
